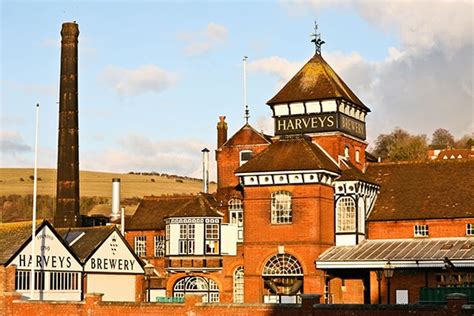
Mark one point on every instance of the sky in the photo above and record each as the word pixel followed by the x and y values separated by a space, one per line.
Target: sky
pixel 154 76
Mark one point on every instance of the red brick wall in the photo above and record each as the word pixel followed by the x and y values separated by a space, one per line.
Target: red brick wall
pixel 311 233
pixel 335 145
pixel 404 229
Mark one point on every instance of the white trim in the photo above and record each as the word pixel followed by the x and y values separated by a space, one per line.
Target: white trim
pixel 240 174
pixel 379 264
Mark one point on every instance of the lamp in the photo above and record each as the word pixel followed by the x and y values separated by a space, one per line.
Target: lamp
pixel 388 272
pixel 149 271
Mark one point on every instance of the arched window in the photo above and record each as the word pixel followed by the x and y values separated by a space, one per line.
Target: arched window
pixel 239 285
pixel 281 208
pixel 283 279
pixel 345 215
pixel 197 285
pixel 346 151
pixel 357 156
pixel 236 217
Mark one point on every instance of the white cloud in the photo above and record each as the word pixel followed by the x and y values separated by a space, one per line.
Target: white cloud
pixel 14 151
pixel 132 82
pixel 202 41
pixel 276 66
pixel 140 153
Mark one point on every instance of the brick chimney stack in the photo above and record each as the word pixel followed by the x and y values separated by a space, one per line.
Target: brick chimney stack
pixel 67 194
pixel 221 132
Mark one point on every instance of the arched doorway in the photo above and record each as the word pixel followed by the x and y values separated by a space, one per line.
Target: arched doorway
pixel 283 279
pixel 197 285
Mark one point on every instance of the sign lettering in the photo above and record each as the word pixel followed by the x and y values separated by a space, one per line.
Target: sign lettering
pixel 106 264
pixel 321 122
pixel 45 262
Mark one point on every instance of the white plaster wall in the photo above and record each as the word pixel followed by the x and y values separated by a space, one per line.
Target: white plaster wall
pixel 116 288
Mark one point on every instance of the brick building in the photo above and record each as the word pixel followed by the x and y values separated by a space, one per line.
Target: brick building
pixel 304 211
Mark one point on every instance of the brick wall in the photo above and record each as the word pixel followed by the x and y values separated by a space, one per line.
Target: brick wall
pixel 335 144
pixel 437 228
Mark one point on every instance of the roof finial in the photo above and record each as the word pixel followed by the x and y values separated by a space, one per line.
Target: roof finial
pixel 246 106
pixel 317 39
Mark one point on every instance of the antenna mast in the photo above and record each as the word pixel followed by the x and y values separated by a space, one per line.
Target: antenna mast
pixel 246 107
pixel 316 39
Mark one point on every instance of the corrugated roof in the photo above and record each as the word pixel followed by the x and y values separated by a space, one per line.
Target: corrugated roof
pixel 413 249
pixel 423 190
pixel 290 155
pixel 316 81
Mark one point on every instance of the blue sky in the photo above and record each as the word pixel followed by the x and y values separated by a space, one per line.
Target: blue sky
pixel 154 75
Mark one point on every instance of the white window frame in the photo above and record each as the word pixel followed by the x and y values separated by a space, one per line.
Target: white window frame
pixel 64 281
pixel 345 215
pixel 470 229
pixel 186 239
pixel 238 285
pixel 212 239
pixel 159 241
pixel 246 151
pixel 140 245
pixel 281 208
pixel 421 230
pixel 236 217
pixel 357 155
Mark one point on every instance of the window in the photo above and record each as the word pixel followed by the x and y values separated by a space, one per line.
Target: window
pixel 357 156
pixel 197 285
pixel 22 280
pixel 421 231
pixel 281 208
pixel 245 155
pixel 236 214
pixel 63 281
pixel 140 246
pixel 283 279
pixel 212 238
pixel 470 229
pixel 346 151
pixel 345 215
pixel 186 239
pixel 167 233
pixel 159 246
pixel 239 285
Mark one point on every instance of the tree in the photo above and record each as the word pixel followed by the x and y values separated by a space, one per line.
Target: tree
pixel 400 145
pixel 442 138
pixel 465 142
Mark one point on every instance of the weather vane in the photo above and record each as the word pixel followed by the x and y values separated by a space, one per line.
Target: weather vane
pixel 317 39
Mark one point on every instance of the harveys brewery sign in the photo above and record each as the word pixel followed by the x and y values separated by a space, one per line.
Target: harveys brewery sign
pixel 321 122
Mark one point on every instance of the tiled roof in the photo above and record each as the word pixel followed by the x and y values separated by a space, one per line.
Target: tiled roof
pixel 152 210
pixel 455 154
pixel 402 250
pixel 290 155
pixel 249 136
pixel 315 81
pixel 92 238
pixel 423 190
pixel 201 205
pixel 352 173
pixel 12 237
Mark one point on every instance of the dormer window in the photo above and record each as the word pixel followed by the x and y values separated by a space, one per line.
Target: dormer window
pixel 421 231
pixel 245 155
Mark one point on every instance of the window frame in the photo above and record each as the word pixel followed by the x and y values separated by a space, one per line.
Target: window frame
pixel 245 151
pixel 346 219
pixel 212 234
pixel 159 242
pixel 236 216
pixel 281 214
pixel 470 229
pixel 186 243
pixel 139 243
pixel 420 230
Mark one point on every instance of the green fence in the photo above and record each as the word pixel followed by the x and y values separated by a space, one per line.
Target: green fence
pixel 437 295
pixel 170 299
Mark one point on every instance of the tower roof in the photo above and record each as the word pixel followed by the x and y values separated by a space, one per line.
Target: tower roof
pixel 316 81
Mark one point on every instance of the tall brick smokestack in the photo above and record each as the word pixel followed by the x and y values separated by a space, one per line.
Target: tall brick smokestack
pixel 67 193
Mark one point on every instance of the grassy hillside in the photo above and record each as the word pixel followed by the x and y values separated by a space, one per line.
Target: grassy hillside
pixel 17 181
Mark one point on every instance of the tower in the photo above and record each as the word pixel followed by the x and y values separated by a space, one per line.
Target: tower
pixel 67 194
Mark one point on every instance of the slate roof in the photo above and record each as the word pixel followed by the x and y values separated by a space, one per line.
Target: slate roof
pixel 152 211
pixel 423 190
pixel 316 81
pixel 249 136
pixel 92 238
pixel 202 205
pixel 456 153
pixel 352 173
pixel 290 155
pixel 408 249
pixel 12 237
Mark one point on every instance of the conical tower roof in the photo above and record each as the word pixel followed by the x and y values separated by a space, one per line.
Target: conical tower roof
pixel 316 81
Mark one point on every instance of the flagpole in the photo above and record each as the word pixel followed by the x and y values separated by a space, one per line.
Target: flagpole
pixel 33 223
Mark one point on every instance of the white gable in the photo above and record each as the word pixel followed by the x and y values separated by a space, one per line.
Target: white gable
pixel 50 254
pixel 113 256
